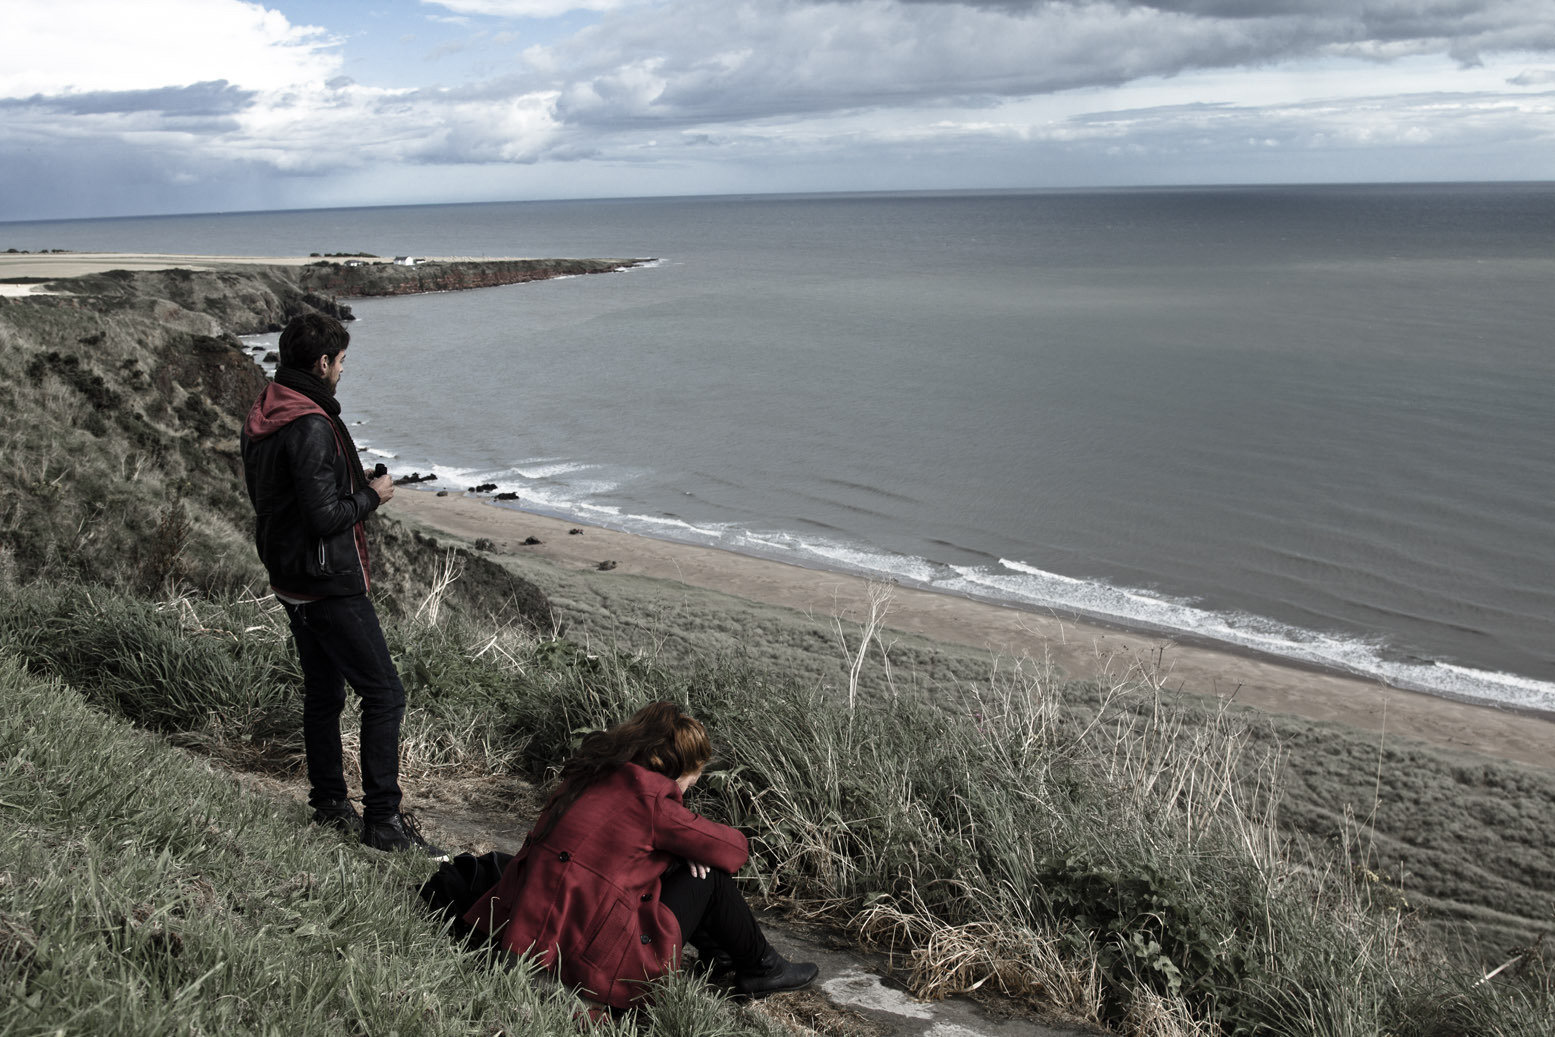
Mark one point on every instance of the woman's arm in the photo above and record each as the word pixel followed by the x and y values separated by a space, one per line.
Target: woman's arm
pixel 679 831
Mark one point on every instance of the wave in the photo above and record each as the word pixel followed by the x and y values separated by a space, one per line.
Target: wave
pixel 548 468
pixel 553 486
pixel 824 553
pixel 573 489
pixel 1018 582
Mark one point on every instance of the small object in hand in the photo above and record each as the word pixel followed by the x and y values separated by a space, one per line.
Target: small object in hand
pixel 380 470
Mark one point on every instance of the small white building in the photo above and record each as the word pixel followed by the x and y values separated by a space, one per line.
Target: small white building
pixel 405 261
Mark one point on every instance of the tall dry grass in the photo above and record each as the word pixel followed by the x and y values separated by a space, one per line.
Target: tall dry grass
pixel 1119 863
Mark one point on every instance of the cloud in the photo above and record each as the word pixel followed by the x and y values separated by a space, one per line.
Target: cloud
pixel 1448 120
pixel 198 99
pixel 1382 29
pixel 529 8
pixel 196 87
pixel 699 61
pixel 109 45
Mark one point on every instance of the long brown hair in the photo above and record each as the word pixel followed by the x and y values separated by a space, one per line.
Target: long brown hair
pixel 660 737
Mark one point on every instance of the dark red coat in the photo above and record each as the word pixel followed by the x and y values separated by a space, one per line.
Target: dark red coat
pixel 584 901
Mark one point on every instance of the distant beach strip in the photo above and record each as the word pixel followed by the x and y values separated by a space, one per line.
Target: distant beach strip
pixel 562 489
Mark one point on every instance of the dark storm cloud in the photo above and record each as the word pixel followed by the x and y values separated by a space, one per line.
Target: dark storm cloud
pixel 105 176
pixel 1466 26
pixel 198 100
pixel 699 61
pixel 1443 11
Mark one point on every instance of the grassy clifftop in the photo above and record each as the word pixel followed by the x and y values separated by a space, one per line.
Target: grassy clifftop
pixel 1093 848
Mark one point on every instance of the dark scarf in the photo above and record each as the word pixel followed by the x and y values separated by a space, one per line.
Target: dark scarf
pixel 317 390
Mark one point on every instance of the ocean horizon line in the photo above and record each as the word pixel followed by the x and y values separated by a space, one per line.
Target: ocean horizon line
pixel 1077 190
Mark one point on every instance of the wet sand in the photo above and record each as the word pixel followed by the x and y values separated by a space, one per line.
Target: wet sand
pixel 1078 647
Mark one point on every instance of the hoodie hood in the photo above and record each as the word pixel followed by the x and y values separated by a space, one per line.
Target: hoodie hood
pixel 276 408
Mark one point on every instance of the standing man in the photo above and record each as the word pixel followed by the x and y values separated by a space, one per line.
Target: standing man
pixel 310 495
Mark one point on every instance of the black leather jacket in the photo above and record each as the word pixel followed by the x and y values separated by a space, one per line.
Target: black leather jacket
pixel 307 516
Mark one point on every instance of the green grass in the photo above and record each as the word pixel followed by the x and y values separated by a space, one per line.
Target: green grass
pixel 1124 864
pixel 141 892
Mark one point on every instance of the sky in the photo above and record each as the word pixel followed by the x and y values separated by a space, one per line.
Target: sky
pixel 109 108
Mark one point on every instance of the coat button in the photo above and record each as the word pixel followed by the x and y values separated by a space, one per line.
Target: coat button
pixel 564 856
pixel 647 938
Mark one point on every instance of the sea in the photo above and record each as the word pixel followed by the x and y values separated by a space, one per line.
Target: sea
pixel 1313 422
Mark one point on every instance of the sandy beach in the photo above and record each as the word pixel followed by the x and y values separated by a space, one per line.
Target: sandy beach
pixel 75 264
pixel 1078 648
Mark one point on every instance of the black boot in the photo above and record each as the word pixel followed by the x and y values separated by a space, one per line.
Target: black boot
pixel 399 832
pixel 712 962
pixel 339 814
pixel 773 974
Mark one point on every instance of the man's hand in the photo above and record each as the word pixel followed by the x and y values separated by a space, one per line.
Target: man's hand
pixel 383 486
pixel 698 869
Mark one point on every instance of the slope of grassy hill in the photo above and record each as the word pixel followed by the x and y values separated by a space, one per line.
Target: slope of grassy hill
pixel 1098 849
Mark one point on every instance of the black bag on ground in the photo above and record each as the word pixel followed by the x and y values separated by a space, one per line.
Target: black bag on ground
pixel 458 883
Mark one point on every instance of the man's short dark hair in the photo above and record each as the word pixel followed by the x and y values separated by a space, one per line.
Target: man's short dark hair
pixel 311 336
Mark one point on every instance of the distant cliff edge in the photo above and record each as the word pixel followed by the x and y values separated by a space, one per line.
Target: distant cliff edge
pixel 247 299
pixel 367 279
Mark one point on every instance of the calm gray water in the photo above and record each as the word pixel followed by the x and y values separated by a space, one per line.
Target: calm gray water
pixel 1312 421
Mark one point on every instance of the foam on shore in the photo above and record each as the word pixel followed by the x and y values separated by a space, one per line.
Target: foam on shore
pixel 569 489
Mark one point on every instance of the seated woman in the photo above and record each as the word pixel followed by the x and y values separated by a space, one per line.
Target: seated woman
pixel 617 874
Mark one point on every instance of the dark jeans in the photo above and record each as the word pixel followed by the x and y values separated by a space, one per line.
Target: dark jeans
pixel 713 914
pixel 339 641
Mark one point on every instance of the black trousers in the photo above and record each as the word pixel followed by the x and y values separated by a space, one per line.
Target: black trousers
pixel 713 914
pixel 339 641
